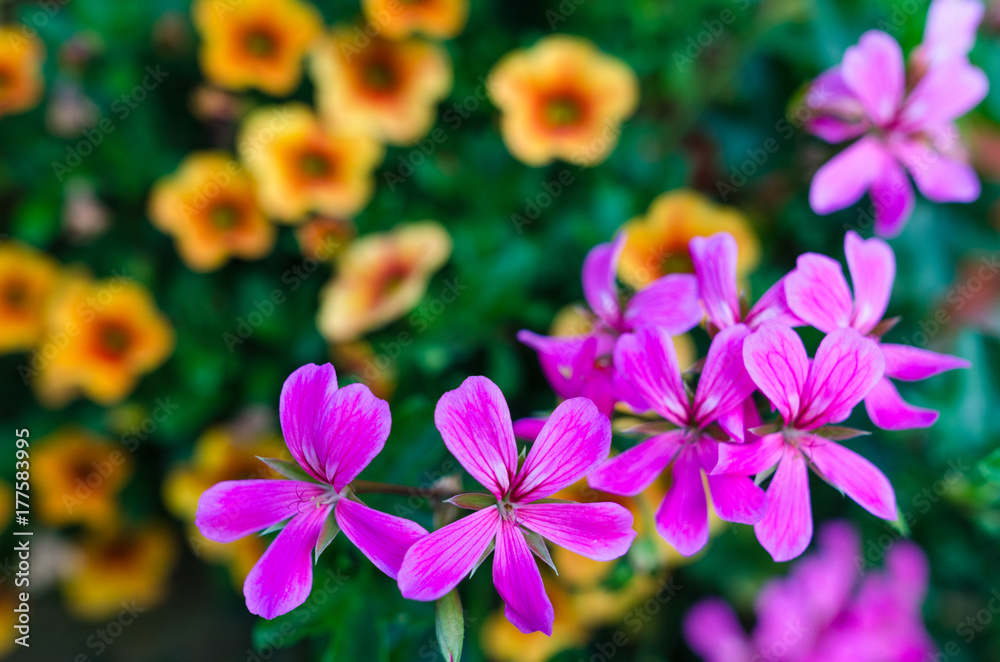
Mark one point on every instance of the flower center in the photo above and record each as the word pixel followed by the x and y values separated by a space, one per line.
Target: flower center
pixel 15 293
pixel 224 216
pixel 113 339
pixel 380 76
pixel 260 43
pixel 315 165
pixel 562 111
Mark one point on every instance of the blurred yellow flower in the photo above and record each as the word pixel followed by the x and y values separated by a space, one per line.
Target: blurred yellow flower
pixel 302 168
pixel 100 338
pixel 376 370
pixel 255 43
pixel 501 640
pixel 396 19
pixel 657 242
pixel 562 98
pixel 21 57
pixel 27 280
pixel 130 566
pixel 325 238
pixel 78 476
pixel 380 277
pixel 388 90
pixel 210 207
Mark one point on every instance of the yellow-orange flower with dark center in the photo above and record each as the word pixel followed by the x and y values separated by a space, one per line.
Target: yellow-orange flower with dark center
pixel 77 478
pixel 125 566
pixel 300 167
pixel 21 57
pixel 100 338
pixel 657 242
pixel 388 90
pixel 377 370
pixel 255 43
pixel 210 207
pixel 325 238
pixel 397 19
pixel 381 277
pixel 27 280
pixel 562 98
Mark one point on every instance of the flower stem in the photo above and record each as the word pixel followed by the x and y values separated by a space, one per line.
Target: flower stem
pixel 373 487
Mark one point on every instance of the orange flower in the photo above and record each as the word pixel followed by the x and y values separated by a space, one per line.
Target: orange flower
pixel 657 243
pixel 380 277
pixel 388 90
pixel 564 99
pixel 300 167
pixel 376 370
pixel 21 57
pixel 210 207
pixel 101 337
pixel 27 280
pixel 325 238
pixel 396 19
pixel 255 43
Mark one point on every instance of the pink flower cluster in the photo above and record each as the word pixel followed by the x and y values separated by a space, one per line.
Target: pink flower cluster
pixel 825 610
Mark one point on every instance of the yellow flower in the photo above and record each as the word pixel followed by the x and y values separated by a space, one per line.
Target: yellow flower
pixel 210 207
pixel 380 277
pixel 325 238
pixel 78 477
pixel 101 337
pixel 255 43
pixel 27 280
pixel 377 371
pixel 300 167
pixel 396 19
pixel 657 242
pixel 501 640
pixel 127 566
pixel 388 90
pixel 562 98
pixel 21 57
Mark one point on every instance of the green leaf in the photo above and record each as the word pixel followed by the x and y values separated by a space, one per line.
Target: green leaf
pixel 275 527
pixel 840 432
pixel 287 469
pixel 537 545
pixel 989 466
pixel 650 427
pixel 473 501
pixel 763 430
pixel 327 534
pixel 449 624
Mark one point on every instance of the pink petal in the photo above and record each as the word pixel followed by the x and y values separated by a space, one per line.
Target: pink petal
pixel 835 130
pixel 599 531
pixel 306 395
pixel 714 260
pixel 847 365
pixel 888 410
pixel 855 476
pixel 875 72
pixel 475 424
pixel 818 294
pixel 383 538
pixel 946 92
pixel 436 563
pixel 724 382
pixel 631 472
pixel 669 302
pixel 575 439
pixel 737 498
pixel 528 428
pixel 951 29
pixel 938 177
pixel 787 527
pixel 912 364
pixel 519 583
pixel 713 632
pixel 233 509
pixel 772 307
pixel 282 578
pixel 352 432
pixel 558 357
pixel 648 360
pixel 682 518
pixel 838 113
pixel 842 180
pixel 778 364
pixel 873 270
pixel 600 286
pixel 892 199
pixel 750 458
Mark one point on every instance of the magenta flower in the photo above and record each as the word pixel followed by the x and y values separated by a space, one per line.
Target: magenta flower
pixel 825 610
pixel 333 433
pixel 648 359
pixel 905 129
pixel 819 295
pixel 582 365
pixel 808 395
pixel 475 424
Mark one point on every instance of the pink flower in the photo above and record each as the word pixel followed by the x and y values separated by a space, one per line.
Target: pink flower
pixel 647 358
pixel 333 433
pixel 906 129
pixel 476 426
pixel 818 294
pixel 582 365
pixel 808 395
pixel 825 611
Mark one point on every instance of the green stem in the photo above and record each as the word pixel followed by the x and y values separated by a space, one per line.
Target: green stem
pixel 374 487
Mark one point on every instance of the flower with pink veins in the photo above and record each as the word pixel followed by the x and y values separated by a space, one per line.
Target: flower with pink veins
pixel 647 358
pixel 809 395
pixel 333 433
pixel 475 424
pixel 905 129
pixel 818 294
pixel 582 365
